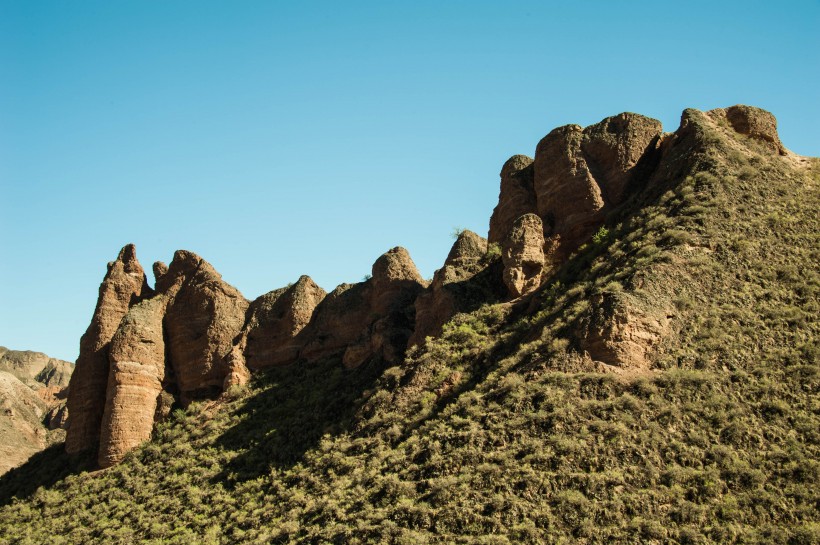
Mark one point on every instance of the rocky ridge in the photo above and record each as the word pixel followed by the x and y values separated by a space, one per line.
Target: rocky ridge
pixel 193 336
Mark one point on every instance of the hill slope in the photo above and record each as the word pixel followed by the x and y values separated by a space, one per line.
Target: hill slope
pixel 32 399
pixel 514 425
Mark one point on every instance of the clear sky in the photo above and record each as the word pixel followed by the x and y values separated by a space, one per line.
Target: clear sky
pixel 284 138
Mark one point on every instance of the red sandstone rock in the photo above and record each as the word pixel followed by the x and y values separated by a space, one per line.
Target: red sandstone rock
pixel 367 320
pixel 443 298
pixel 275 319
pixel 137 358
pixel 523 255
pixel 516 197
pixel 124 285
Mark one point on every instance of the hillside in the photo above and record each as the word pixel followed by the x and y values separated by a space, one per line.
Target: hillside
pixel 631 357
pixel 32 401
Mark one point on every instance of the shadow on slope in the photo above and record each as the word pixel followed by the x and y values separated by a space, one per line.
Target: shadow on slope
pixel 295 406
pixel 43 469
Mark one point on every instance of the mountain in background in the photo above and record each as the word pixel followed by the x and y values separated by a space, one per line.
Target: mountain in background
pixel 630 356
pixel 33 390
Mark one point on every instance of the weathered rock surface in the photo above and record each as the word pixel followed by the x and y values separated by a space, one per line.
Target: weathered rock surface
pixel 620 335
pixel 523 255
pixel 516 197
pixel 124 285
pixel 274 321
pixel 171 346
pixel 615 150
pixel 576 177
pixel 203 317
pixel 450 292
pixel 137 358
pixel 579 173
pixel 369 319
pixel 47 377
pixel 753 122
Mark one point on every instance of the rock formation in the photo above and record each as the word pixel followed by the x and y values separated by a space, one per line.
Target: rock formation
pixel 620 334
pixel 203 316
pixel 137 358
pixel 523 255
pixel 370 319
pixel 124 285
pixel 516 197
pixel 452 289
pixel 195 336
pixel 274 321
pixel 577 176
pixel 578 173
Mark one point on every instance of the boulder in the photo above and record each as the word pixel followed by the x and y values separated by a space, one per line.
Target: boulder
pixel 124 285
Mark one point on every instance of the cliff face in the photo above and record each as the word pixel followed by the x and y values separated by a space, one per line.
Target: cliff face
pixel 194 335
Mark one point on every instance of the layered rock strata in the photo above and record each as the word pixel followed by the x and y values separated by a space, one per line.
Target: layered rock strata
pixel 124 285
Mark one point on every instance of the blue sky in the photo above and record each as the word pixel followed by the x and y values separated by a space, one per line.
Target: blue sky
pixel 284 138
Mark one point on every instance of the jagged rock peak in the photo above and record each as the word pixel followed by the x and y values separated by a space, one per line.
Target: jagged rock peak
pixel 124 285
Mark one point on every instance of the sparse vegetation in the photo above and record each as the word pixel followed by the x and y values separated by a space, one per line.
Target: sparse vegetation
pixel 500 431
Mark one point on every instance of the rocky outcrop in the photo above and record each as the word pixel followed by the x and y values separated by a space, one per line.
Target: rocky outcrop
pixel 124 285
pixel 135 381
pixel 155 349
pixel 620 335
pixel 451 290
pixel 270 335
pixel 578 174
pixel 754 123
pixel 370 319
pixel 203 317
pixel 523 255
pixel 516 197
